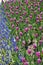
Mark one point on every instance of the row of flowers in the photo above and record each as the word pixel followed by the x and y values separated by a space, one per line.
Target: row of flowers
pixel 6 42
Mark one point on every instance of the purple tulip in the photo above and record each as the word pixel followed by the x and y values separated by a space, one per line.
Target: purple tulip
pixel 16 48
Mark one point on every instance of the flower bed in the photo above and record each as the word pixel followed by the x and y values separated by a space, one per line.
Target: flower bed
pixel 25 20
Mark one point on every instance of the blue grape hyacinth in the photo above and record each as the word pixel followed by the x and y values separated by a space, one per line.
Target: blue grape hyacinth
pixel 6 42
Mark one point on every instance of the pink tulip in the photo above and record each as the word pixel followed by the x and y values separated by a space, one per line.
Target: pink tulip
pixel 38 9
pixel 40 0
pixel 40 18
pixel 14 19
pixel 26 63
pixel 23 59
pixel 40 28
pixel 4 6
pixel 14 1
pixel 29 51
pixel 29 6
pixel 30 26
pixel 36 35
pixel 26 29
pixel 8 16
pixel 37 21
pixel 21 17
pixel 34 45
pixel 40 42
pixel 21 33
pixel 38 60
pixel 17 22
pixel 26 1
pixel 17 38
pixel 30 16
pixel 11 19
pixel 17 28
pixel 7 13
pixel 23 43
pixel 25 13
pixel 38 54
pixel 37 18
pixel 17 7
pixel 17 12
pixel 42 51
pixel 12 25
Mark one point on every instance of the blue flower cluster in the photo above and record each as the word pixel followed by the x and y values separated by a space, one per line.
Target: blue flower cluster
pixel 5 45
